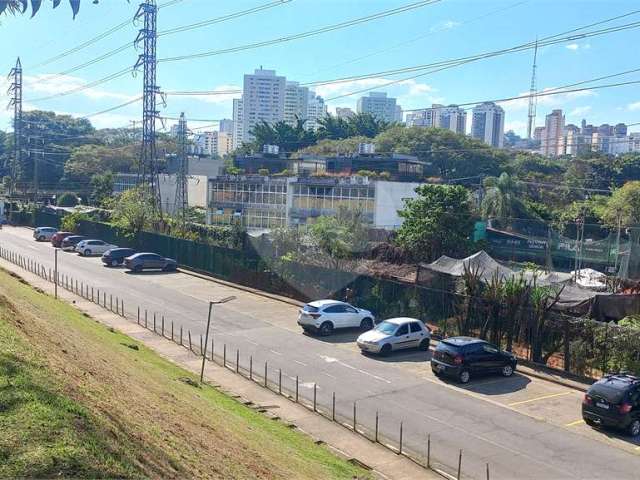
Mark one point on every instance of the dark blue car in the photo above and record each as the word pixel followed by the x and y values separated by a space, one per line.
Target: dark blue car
pixel 116 256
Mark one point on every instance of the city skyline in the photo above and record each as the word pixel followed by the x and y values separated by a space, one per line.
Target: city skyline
pixel 410 39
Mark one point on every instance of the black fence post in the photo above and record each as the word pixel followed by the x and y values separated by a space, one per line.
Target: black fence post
pixel 190 347
pixel 138 315
pixel 376 430
pixel 459 465
pixel 315 396
pixel 265 375
pixel 163 325
pixel 238 360
pixel 333 406
pixel 400 449
pixel 180 335
pixel 146 314
pixel 354 417
pixel 224 355
pixel 429 451
pixel 250 367
pixel 172 330
pixel 280 381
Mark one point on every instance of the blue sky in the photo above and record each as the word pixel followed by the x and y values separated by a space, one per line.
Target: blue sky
pixel 448 29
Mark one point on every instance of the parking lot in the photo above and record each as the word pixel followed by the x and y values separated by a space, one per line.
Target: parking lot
pixel 257 324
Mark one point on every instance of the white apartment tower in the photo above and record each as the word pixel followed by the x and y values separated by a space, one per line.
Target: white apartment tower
pixel 487 124
pixel 316 110
pixel 238 122
pixel 226 126
pixel 451 117
pixel 263 97
pixel 296 99
pixel 380 106
pixel 344 112
pixel 552 144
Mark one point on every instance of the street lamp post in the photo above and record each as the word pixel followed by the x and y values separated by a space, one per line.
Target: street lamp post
pixel 206 337
pixel 55 272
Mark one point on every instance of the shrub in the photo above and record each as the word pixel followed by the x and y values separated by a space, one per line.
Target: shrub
pixel 68 199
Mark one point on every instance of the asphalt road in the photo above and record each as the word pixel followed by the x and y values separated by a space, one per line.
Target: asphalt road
pixel 523 428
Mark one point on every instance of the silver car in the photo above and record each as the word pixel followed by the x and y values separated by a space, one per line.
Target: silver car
pixel 395 334
pixel 44 233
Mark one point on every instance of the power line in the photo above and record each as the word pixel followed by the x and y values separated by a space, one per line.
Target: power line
pixel 122 105
pixel 310 33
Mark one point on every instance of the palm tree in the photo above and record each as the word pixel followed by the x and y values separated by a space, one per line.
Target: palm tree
pixel 501 200
pixel 14 7
pixel 333 128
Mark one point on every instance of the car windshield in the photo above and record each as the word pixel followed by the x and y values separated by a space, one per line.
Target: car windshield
pixel 310 308
pixel 387 327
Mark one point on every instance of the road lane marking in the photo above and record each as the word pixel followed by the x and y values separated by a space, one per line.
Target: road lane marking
pixel 374 376
pixel 328 375
pixel 543 397
pixel 251 342
pixel 573 424
pixel 275 352
pixel 364 372
pixel 301 363
pixel 637 448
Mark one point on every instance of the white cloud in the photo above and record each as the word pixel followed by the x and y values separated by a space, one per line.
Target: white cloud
pixel 445 25
pixel 47 84
pixel 404 90
pixel 518 126
pixel 572 46
pixel 222 97
pixel 633 107
pixel 578 111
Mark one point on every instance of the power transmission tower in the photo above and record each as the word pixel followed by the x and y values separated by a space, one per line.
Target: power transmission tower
pixel 15 91
pixel 182 195
pixel 148 167
pixel 532 95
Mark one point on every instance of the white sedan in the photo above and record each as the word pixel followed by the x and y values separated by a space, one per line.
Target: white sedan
pixel 323 316
pixel 395 334
pixel 93 247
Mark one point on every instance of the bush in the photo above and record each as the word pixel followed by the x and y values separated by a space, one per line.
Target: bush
pixel 68 199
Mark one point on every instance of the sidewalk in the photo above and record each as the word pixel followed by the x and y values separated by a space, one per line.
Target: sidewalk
pixel 383 462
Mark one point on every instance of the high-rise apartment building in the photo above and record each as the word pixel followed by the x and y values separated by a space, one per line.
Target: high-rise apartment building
pixel 553 143
pixel 345 112
pixel 316 110
pixel 451 117
pixel 226 126
pixel 296 99
pixel 238 122
pixel 380 106
pixel 263 96
pixel 487 124
pixel 213 143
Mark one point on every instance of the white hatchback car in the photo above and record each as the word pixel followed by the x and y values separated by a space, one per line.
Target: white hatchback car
pixel 93 247
pixel 323 316
pixel 395 334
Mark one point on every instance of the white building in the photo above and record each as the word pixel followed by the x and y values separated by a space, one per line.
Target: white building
pixel 487 124
pixel 226 126
pixel 380 106
pixel 316 110
pixel 296 99
pixel 213 143
pixel 552 143
pixel 451 117
pixel 345 112
pixel 238 122
pixel 263 96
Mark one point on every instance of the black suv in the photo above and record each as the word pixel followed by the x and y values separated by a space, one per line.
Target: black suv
pixel 614 401
pixel 116 256
pixel 462 357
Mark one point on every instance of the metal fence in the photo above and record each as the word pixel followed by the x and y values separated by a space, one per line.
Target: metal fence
pixel 578 346
pixel 379 426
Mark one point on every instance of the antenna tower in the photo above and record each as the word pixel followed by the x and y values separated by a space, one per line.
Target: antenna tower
pixel 532 95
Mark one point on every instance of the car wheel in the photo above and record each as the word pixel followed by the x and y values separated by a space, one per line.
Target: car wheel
pixel 507 370
pixel 114 263
pixel 41 238
pixel 137 268
pixel 326 329
pixel 591 423
pixel 634 428
pixel 87 252
pixel 464 376
pixel 424 345
pixel 366 324
pixel 385 350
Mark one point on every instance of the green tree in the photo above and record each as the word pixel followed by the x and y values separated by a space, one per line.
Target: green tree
pixel 68 199
pixel 624 205
pixel 439 221
pixel 88 160
pixel 288 138
pixel 101 188
pixel 133 212
pixel 333 128
pixel 71 222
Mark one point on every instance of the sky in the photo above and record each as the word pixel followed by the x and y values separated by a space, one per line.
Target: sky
pixel 440 31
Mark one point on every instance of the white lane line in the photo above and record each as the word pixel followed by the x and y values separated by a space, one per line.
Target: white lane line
pixel 364 372
pixel 275 352
pixel 328 375
pixel 251 342
pixel 301 363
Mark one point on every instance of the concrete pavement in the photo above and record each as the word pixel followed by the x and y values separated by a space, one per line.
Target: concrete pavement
pixel 522 427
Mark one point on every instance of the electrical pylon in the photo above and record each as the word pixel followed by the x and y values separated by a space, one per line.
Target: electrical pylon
pixel 15 92
pixel 148 167
pixel 532 95
pixel 182 195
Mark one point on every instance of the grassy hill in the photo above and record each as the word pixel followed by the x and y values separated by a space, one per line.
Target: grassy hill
pixel 80 401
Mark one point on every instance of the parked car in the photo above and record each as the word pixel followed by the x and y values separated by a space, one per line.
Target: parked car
pixel 93 247
pixel 323 316
pixel 462 357
pixel 395 334
pixel 614 401
pixel 57 238
pixel 146 261
pixel 44 233
pixel 70 242
pixel 116 256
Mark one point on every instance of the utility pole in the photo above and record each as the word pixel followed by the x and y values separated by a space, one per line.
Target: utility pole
pixel 15 91
pixel 148 168
pixel 182 195
pixel 532 95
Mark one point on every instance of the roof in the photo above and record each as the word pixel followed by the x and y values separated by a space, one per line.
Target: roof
pixel 463 340
pixel 401 320
pixel 322 303
pixel 480 261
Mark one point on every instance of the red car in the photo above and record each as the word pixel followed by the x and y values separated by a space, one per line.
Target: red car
pixel 57 238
